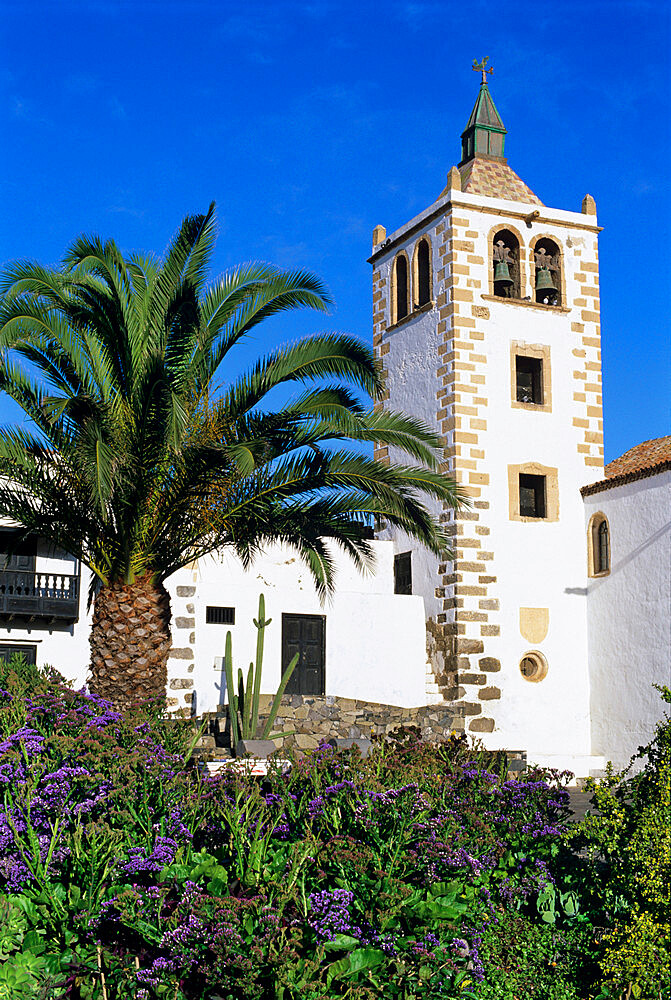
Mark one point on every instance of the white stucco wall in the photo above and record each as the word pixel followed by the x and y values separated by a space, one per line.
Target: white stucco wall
pixel 629 615
pixel 537 564
pixel 411 362
pixel 374 639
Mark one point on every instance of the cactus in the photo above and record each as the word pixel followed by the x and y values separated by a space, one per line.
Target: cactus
pixel 275 707
pixel 232 699
pixel 261 623
pixel 244 706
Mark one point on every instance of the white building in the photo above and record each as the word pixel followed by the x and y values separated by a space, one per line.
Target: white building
pixel 486 320
pixel 366 643
pixel 628 527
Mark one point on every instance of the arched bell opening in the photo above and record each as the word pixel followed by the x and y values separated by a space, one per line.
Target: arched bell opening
pixel 422 273
pixel 547 261
pixel 506 264
pixel 400 288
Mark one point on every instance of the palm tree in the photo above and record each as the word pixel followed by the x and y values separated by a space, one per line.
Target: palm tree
pixel 135 459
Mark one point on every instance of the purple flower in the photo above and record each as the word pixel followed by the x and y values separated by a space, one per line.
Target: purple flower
pixel 460 947
pixel 140 862
pixel 329 913
pixel 26 739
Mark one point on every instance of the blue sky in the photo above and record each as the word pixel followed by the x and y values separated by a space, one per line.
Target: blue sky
pixel 310 122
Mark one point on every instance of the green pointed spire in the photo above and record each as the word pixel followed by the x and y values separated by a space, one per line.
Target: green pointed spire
pixel 485 133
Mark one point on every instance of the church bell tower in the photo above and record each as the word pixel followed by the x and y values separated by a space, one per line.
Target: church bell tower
pixel 486 322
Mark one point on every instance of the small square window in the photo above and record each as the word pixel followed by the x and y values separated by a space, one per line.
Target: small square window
pixel 403 573
pixel 219 616
pixel 529 379
pixel 533 492
pixel 532 495
pixel 530 370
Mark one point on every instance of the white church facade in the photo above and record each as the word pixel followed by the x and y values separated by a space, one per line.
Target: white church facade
pixel 548 623
pixel 629 596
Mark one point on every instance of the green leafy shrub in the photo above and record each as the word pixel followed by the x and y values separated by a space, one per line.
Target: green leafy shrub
pixel 626 846
pixel 23 678
pixel 534 961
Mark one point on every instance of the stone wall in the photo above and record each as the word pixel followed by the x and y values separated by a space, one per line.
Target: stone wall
pixel 181 658
pixel 314 719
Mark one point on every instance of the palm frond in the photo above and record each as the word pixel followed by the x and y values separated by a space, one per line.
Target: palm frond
pixel 135 461
pixel 309 359
pixel 244 298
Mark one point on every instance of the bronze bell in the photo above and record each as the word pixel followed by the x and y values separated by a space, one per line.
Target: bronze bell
pixel 544 282
pixel 502 273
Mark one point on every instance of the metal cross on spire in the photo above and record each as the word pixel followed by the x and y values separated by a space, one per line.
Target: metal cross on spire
pixel 481 67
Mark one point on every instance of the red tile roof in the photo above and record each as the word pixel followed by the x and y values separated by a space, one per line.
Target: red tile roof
pixel 643 460
pixel 645 455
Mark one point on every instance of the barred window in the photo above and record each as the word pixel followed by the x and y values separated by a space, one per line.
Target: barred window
pixel 219 616
pixel 599 545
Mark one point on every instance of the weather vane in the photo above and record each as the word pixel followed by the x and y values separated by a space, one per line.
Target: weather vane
pixel 481 67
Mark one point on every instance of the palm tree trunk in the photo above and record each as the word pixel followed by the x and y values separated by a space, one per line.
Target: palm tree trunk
pixel 130 641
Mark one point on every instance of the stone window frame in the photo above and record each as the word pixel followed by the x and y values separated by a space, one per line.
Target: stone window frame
pixel 551 491
pixel 541 663
pixel 424 238
pixel 395 318
pixel 521 261
pixel 562 270
pixel 595 521
pixel 519 348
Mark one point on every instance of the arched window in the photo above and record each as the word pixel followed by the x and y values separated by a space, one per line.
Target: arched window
pixel 400 288
pixel 422 275
pixel 506 264
pixel 547 259
pixel 599 545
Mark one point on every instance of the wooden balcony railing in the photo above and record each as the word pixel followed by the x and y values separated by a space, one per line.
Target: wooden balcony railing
pixel 33 595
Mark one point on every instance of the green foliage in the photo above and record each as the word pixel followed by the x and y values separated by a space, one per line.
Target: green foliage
pixel 26 972
pixel 552 904
pixel 21 976
pixel 136 458
pixel 244 705
pixel 533 961
pixel 24 678
pixel 344 878
pixel 627 847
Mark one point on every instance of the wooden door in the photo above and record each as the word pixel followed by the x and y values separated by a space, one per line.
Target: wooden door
pixel 304 634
